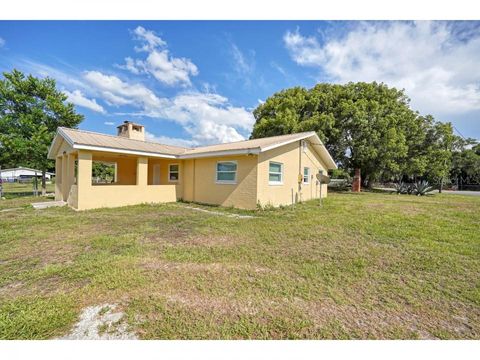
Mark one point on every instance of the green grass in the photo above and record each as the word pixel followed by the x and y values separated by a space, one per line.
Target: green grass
pixel 16 190
pixel 362 266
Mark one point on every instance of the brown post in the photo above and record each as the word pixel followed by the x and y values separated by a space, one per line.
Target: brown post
pixel 357 181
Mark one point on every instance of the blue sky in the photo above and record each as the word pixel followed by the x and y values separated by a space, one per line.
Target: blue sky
pixel 196 82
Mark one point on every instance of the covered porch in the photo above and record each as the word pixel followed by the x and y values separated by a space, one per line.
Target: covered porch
pixel 134 179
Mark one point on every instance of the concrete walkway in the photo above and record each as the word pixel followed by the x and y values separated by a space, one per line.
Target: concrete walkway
pixel 451 192
pixel 458 192
pixel 47 204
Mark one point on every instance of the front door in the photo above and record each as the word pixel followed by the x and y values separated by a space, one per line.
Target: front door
pixel 156 174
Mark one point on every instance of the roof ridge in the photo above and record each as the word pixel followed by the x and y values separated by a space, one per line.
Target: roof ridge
pixel 116 137
pixel 240 141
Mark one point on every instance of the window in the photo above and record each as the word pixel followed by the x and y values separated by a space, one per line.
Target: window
pixel 226 172
pixel 275 173
pixel 173 172
pixel 304 146
pixel 306 175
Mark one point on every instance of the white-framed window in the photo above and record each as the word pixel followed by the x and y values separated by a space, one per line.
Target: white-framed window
pixel 275 173
pixel 226 172
pixel 306 175
pixel 173 172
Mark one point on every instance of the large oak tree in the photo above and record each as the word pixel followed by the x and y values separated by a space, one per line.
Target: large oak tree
pixel 364 125
pixel 31 109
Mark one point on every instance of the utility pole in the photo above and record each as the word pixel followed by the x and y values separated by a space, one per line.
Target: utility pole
pixel 35 185
pixel 1 183
pixel 320 184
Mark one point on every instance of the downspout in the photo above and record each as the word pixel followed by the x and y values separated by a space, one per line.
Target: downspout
pixel 300 172
pixel 193 191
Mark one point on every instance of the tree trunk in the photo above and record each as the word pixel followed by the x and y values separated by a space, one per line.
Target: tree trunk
pixel 440 188
pixel 44 182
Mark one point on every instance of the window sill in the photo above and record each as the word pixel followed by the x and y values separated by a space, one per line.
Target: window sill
pixel 273 183
pixel 225 182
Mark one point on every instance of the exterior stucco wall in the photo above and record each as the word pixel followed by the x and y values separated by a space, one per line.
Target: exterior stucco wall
pixel 311 160
pixel 164 180
pixel 91 197
pixel 200 182
pixel 294 159
pixel 64 177
pixel 188 179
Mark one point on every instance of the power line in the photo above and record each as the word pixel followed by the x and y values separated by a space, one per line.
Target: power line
pixel 459 132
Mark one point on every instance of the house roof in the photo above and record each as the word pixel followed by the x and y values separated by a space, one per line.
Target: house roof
pixel 81 139
pixel 253 144
pixel 26 168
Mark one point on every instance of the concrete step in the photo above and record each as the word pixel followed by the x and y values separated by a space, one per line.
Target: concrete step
pixel 47 204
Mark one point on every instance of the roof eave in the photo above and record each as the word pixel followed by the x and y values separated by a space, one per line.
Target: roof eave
pixel 323 150
pixel 123 151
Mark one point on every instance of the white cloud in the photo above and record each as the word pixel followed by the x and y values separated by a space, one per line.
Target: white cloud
pixel 119 92
pixel 2 42
pixel 439 71
pixel 277 67
pixel 109 123
pixel 242 64
pixel 169 70
pixel 208 117
pixel 67 78
pixel 169 140
pixel 78 98
pixel 149 39
pixel 159 63
pixel 209 132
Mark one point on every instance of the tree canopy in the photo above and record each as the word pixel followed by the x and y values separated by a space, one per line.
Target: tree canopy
pixel 466 164
pixel 31 109
pixel 363 125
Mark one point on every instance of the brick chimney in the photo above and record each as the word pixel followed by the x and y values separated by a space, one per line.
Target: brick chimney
pixel 357 181
pixel 131 130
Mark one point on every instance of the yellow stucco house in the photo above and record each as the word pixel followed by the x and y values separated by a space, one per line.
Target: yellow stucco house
pixel 279 170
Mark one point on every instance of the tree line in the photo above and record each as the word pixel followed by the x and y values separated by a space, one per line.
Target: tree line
pixel 369 126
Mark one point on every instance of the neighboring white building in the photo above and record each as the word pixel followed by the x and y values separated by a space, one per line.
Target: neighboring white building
pixel 22 174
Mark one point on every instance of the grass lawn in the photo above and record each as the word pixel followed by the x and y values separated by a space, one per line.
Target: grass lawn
pixel 363 266
pixel 15 190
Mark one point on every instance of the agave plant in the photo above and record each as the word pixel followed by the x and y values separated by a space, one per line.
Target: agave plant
pixel 422 188
pixel 402 188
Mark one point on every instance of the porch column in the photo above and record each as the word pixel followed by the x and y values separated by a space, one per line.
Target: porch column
pixel 142 171
pixel 58 178
pixel 64 177
pixel 70 172
pixel 84 177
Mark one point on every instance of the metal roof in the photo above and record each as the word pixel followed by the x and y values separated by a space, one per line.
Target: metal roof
pixel 81 139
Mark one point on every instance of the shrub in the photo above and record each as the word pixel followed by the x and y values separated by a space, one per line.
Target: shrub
pixel 422 188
